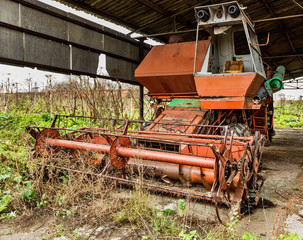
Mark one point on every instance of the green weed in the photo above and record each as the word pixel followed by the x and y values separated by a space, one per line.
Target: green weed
pixel 164 224
pixel 60 231
pixel 5 201
pixel 181 207
pixel 288 114
pixel 192 235
pixel 43 202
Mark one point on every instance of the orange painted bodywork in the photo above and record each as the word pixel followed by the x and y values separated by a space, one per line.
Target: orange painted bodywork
pixel 168 71
pixel 169 68
pixel 228 91
pixel 187 116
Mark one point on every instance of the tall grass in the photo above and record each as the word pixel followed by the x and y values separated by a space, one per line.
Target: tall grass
pixel 288 114
pixel 83 96
pixel 28 185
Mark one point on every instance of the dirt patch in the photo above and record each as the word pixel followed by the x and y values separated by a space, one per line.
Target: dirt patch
pixel 28 228
pixel 283 168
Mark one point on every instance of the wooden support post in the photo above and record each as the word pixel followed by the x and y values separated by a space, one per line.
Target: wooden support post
pixel 141 90
pixel 141 96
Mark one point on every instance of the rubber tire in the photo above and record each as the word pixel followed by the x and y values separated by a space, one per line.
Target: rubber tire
pixel 239 130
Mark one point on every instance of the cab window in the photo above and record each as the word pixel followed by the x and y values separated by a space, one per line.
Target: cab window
pixel 240 43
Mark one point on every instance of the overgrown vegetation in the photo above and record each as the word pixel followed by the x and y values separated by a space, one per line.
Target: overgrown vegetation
pixel 288 114
pixel 28 185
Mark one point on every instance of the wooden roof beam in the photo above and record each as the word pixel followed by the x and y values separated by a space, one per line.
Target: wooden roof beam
pixel 298 4
pixel 84 6
pixel 154 7
pixel 277 18
pixel 286 56
pixel 284 31
pixel 291 61
pixel 159 19
pixel 269 59
pixel 273 61
pixel 164 13
pixel 105 15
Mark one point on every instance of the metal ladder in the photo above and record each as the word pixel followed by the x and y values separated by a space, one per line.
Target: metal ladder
pixel 260 123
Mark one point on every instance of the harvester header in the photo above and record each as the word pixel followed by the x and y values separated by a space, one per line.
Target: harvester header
pixel 214 115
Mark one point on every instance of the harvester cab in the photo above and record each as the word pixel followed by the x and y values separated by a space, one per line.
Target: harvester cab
pixel 224 75
pixel 233 48
pixel 213 129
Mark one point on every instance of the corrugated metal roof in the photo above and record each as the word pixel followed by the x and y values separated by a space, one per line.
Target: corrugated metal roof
pixel 157 16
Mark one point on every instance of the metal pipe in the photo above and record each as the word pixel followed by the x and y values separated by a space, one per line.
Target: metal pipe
pixel 140 121
pixel 278 18
pixel 151 187
pixel 285 56
pixel 136 153
pixel 196 49
pixel 140 135
pixel 193 30
pixel 165 33
pixel 183 173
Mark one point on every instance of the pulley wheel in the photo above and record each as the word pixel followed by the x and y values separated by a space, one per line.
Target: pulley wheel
pixel 41 148
pixel 246 171
pixel 116 160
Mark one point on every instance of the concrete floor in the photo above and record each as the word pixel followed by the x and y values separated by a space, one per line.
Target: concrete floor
pixel 283 169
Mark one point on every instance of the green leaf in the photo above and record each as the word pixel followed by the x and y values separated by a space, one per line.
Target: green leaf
pixel 4 202
pixel 181 204
pixel 29 194
pixel 169 211
pixel 28 183
pixel 5 176
pixel 182 233
pixel 18 179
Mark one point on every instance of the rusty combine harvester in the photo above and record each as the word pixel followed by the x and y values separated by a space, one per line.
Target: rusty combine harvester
pixel 211 132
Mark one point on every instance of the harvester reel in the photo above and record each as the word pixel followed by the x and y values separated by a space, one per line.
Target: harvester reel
pixel 96 159
pixel 117 161
pixel 41 148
